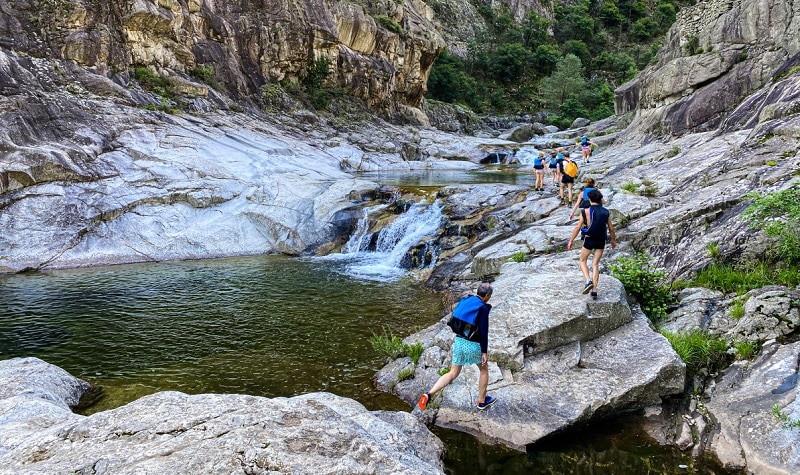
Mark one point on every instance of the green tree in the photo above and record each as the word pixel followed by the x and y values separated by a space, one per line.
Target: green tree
pixel 579 49
pixel 535 30
pixel 545 59
pixel 566 82
pixel 609 13
pixel 509 61
pixel 574 22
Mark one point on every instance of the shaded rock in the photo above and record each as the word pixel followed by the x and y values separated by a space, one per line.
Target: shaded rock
pixel 695 308
pixel 207 433
pixel 741 404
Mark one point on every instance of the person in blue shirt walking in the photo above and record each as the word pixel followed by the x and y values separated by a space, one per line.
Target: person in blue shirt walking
pixel 469 351
pixel 593 224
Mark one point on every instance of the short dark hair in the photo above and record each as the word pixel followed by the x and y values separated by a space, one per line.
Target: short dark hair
pixel 484 289
pixel 595 196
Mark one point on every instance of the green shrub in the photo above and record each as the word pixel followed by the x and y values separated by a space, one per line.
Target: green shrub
pixel 404 374
pixel 151 81
pixel 737 310
pixel 772 163
pixel 778 214
pixel 698 350
pixel 443 371
pixel 389 24
pixel 519 256
pixel 644 283
pixel 204 73
pixel 745 350
pixel 693 45
pixel 414 351
pixel 316 74
pixel 391 346
pixel 630 187
pixel 674 151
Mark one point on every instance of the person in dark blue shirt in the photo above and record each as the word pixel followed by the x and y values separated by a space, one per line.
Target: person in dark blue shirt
pixel 472 351
pixel 593 224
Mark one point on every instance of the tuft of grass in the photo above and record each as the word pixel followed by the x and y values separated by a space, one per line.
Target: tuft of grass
pixel 404 374
pixel 787 422
pixel 673 152
pixel 389 24
pixel 772 163
pixel 745 350
pixel 713 249
pixel 778 214
pixel 737 310
pixel 519 256
pixel 645 283
pixel 151 81
pixel 745 277
pixel 443 371
pixel 698 350
pixel 630 187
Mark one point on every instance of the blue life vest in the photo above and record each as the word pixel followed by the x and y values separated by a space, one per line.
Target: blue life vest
pixel 584 141
pixel 537 162
pixel 552 160
pixel 464 321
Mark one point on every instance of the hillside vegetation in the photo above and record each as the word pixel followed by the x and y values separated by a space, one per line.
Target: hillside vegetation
pixel 568 67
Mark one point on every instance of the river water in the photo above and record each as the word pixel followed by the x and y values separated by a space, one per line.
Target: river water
pixel 271 326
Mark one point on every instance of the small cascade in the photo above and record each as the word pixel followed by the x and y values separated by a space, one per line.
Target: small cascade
pixel 392 243
pixel 525 155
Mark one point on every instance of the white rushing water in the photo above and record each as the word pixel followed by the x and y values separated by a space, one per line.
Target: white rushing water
pixel 393 242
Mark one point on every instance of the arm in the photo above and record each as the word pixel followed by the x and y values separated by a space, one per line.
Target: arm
pixel 613 234
pixel 483 330
pixel 575 208
pixel 575 232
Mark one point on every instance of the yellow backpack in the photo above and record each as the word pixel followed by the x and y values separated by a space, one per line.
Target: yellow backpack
pixel 571 169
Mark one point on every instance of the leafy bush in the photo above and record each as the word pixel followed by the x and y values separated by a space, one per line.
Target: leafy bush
pixel 204 73
pixel 314 78
pixel 414 351
pixel 389 24
pixel 391 346
pixel 745 350
pixel 151 81
pixel 698 350
pixel 644 283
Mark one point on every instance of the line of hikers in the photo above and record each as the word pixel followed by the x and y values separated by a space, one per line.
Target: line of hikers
pixel 470 318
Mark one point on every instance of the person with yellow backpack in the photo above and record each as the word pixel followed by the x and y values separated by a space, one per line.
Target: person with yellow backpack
pixel 569 171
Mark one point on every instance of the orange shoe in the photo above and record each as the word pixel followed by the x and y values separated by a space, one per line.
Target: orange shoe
pixel 423 401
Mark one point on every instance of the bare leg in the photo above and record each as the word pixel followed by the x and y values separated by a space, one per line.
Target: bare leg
pixel 483 381
pixel 446 379
pixel 583 258
pixel 598 253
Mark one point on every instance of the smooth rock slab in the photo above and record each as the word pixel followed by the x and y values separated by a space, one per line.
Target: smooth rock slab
pixel 741 403
pixel 172 432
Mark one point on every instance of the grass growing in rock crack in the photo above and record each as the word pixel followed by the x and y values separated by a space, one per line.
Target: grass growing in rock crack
pixel 698 350
pixel 713 249
pixel 788 422
pixel 388 345
pixel 519 256
pixel 745 350
pixel 443 371
pixel 744 277
pixel 414 351
pixel 404 374
pixel 737 310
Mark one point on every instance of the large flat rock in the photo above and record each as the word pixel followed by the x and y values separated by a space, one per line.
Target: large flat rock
pixel 172 432
pixel 749 434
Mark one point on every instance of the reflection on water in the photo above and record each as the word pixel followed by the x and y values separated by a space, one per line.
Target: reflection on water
pixel 268 326
pixel 512 175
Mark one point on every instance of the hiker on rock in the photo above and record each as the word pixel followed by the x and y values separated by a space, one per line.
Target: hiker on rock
pixel 553 168
pixel 538 168
pixel 470 346
pixel 583 199
pixel 593 223
pixel 587 147
pixel 569 171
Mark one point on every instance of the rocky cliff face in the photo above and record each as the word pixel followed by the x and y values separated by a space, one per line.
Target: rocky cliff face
pixel 383 59
pixel 716 53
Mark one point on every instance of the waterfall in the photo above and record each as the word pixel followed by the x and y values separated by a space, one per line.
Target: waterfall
pixel 525 155
pixel 392 243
